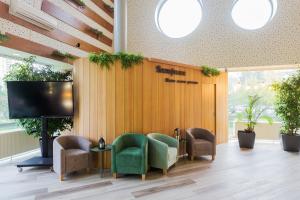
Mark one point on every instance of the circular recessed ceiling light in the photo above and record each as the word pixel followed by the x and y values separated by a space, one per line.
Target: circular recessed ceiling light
pixel 178 18
pixel 253 14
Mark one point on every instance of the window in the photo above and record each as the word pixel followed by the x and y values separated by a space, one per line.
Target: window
pixel 253 14
pixel 178 18
pixel 5 123
pixel 242 84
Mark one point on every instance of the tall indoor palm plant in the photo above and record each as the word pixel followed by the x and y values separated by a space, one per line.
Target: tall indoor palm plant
pixel 251 115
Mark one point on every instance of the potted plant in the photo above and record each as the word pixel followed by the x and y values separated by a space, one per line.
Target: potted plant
pixel 287 108
pixel 26 71
pixel 252 113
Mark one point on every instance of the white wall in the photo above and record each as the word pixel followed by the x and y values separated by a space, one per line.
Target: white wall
pixel 218 41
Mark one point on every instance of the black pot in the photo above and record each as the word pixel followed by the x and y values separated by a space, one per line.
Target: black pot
pixel 246 139
pixel 290 142
pixel 50 146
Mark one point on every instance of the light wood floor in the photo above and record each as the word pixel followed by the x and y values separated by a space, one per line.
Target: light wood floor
pixel 264 173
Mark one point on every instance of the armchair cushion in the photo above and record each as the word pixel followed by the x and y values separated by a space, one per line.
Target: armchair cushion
pixel 202 145
pixel 76 158
pixel 130 154
pixel 172 156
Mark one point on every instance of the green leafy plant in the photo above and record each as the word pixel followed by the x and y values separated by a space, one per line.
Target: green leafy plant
pixel 80 3
pixel 3 37
pixel 63 55
pixel 252 113
pixel 128 60
pixel 25 71
pixel 210 71
pixel 109 7
pixel 287 103
pixel 97 32
pixel 105 60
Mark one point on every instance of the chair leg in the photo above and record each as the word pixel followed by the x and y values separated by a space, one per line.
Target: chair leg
pixel 213 157
pixel 143 177
pixel 88 170
pixel 165 171
pixel 61 177
pixel 115 175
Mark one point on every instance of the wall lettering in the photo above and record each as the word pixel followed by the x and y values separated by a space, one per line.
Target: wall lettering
pixel 171 71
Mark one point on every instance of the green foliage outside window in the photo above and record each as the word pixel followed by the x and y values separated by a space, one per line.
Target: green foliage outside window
pixel 25 71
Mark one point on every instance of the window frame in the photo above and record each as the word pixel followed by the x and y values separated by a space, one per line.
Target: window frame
pixel 157 13
pixel 274 7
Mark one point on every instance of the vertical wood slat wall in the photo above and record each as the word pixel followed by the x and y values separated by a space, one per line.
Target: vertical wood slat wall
pixel 115 101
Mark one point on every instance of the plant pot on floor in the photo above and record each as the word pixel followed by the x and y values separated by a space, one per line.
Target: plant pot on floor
pixel 50 146
pixel 290 143
pixel 246 139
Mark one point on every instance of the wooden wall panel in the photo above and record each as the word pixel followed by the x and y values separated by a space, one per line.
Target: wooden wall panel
pixel 115 101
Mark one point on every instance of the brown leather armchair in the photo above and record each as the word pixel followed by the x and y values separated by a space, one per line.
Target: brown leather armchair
pixel 70 153
pixel 200 142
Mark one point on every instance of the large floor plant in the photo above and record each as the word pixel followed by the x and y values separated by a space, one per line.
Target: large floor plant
pixel 26 71
pixel 251 115
pixel 287 108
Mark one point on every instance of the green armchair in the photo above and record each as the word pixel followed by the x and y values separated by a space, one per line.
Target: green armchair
pixel 163 151
pixel 130 155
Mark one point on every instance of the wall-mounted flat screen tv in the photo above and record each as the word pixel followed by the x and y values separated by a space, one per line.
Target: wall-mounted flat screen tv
pixel 35 99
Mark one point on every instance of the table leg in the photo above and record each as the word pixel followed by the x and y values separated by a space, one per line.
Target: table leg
pixel 102 165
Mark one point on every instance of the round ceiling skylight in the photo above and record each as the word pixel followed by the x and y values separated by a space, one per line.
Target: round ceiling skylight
pixel 178 18
pixel 253 14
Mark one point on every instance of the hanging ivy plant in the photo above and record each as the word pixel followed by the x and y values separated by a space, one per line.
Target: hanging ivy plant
pixel 210 71
pixel 128 60
pixel 79 3
pixel 97 32
pixel 109 7
pixel 3 37
pixel 63 55
pixel 105 60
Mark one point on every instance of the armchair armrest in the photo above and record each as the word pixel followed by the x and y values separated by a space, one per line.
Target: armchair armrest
pixel 117 145
pixel 158 153
pixel 58 157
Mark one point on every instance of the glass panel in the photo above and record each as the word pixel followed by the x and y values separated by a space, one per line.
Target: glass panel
pixel 253 14
pixel 178 18
pixel 242 84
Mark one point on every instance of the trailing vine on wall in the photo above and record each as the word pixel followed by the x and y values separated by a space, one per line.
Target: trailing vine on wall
pixel 105 60
pixel 97 32
pixel 79 3
pixel 128 60
pixel 63 55
pixel 3 37
pixel 210 71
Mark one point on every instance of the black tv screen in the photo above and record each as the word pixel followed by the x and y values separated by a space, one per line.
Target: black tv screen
pixel 35 99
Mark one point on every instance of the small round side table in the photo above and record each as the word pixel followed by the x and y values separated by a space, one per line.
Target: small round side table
pixel 96 149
